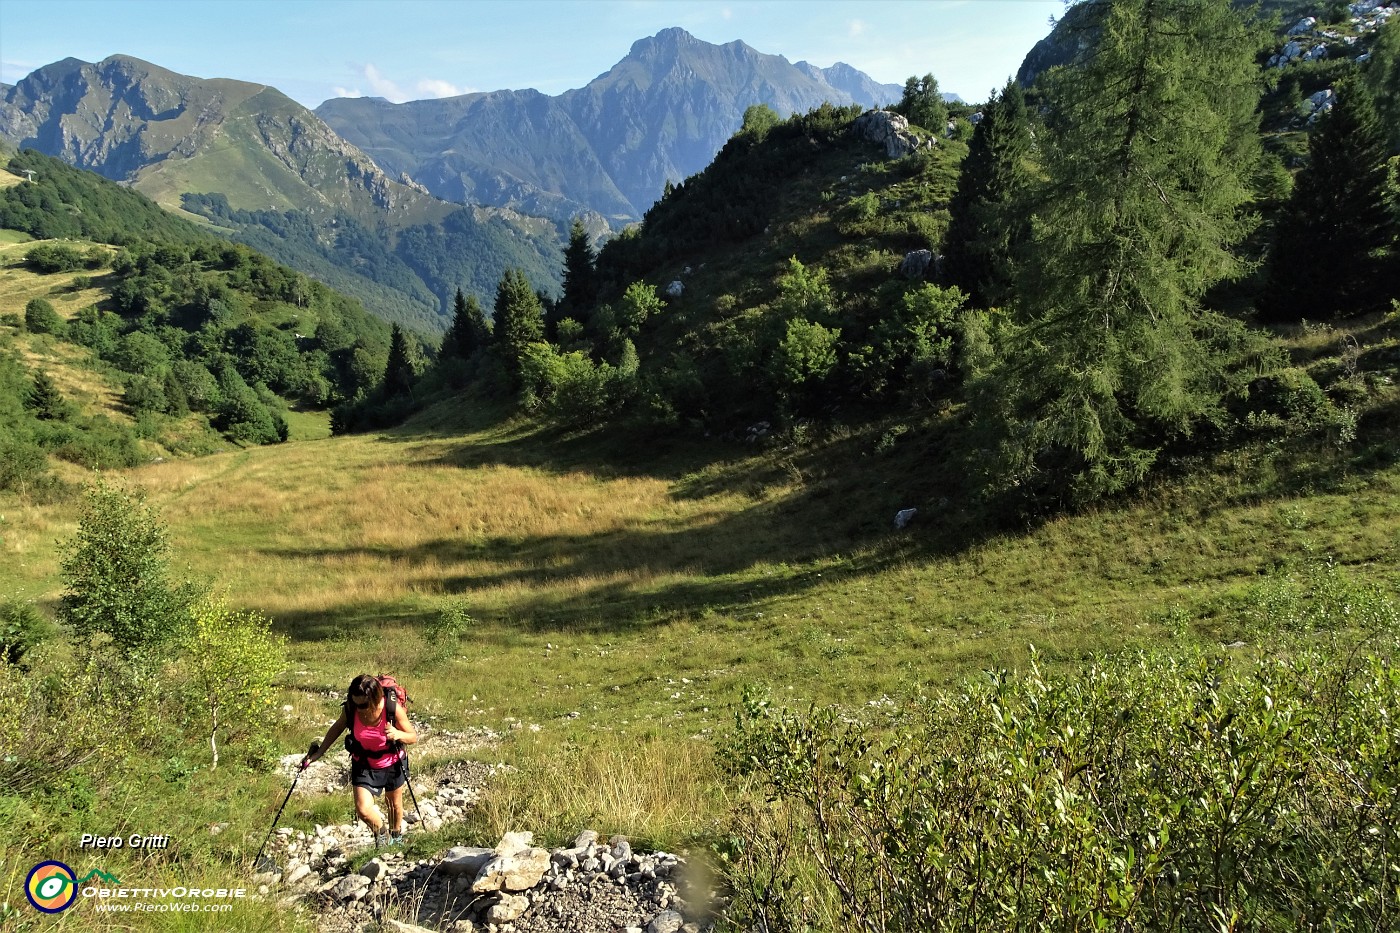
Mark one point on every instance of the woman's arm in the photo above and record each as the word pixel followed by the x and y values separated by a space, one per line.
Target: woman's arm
pixel 332 734
pixel 402 730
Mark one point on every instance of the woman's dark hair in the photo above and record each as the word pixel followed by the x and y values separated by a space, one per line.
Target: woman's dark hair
pixel 365 686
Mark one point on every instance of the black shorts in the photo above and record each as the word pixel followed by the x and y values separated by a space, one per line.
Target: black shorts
pixel 377 780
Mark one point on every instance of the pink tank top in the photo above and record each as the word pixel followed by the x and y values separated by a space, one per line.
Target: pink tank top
pixel 381 752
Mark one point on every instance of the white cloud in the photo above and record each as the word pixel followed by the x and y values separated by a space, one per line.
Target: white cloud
pixel 436 87
pixel 381 86
pixel 726 13
pixel 855 27
pixel 371 81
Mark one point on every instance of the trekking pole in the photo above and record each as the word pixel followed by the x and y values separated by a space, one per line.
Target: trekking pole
pixel 300 768
pixel 408 779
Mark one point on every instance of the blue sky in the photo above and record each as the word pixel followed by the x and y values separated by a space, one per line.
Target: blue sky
pixel 412 49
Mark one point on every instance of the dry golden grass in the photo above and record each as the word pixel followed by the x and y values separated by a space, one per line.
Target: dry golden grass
pixel 652 791
pixel 18 285
pixel 398 522
pixel 9 179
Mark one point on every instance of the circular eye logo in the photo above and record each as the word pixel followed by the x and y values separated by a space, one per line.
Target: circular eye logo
pixel 51 887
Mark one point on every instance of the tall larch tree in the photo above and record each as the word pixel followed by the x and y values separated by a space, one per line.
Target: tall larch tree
pixel 580 274
pixel 1333 255
pixel 469 332
pixel 1151 140
pixel 990 215
pixel 398 371
pixel 518 318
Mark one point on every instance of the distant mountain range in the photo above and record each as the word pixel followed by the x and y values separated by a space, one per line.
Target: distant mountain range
pixel 660 114
pixel 369 195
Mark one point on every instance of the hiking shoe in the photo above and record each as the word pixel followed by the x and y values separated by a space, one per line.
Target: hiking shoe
pixel 382 838
pixel 396 839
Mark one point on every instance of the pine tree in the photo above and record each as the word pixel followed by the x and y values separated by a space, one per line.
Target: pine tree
pixel 398 371
pixel 518 317
pixel 1333 250
pixel 44 399
pixel 923 103
pixel 990 219
pixel 1109 356
pixel 469 332
pixel 580 273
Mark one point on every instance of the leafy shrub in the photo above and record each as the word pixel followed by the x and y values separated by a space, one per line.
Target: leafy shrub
pixel 60 724
pixel 573 388
pixel 1156 793
pixel 1289 398
pixel 41 318
pixel 1320 598
pixel 803 362
pixel 450 624
pixel 865 207
pixel 22 627
pixel 95 442
pixel 233 658
pixel 55 257
pixel 23 465
pixel 116 575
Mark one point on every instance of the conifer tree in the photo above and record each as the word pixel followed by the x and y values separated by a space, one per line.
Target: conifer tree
pixel 1383 76
pixel 580 273
pixel 1333 251
pixel 469 331
pixel 1151 140
pixel 45 400
pixel 519 321
pixel 923 103
pixel 990 219
pixel 398 371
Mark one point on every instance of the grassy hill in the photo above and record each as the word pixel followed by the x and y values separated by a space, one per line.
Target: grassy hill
pixel 174 343
pixel 281 181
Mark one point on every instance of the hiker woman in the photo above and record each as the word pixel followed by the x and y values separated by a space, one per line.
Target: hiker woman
pixel 379 728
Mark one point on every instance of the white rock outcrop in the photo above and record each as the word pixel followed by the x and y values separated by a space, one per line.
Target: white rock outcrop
pixel 889 129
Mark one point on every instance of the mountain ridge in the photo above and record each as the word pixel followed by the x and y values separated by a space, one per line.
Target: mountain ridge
pixel 658 115
pixel 279 178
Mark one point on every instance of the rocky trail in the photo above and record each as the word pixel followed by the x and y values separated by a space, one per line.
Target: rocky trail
pixel 590 886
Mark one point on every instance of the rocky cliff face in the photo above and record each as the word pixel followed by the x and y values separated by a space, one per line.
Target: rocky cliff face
pixel 658 115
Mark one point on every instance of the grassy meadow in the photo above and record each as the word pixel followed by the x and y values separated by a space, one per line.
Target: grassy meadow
pixel 644 593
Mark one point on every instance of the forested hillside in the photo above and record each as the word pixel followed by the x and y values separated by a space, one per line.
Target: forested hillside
pixel 1061 303
pixel 268 173
pixel 196 342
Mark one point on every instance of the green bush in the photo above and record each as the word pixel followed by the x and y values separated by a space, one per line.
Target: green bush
pixel 450 624
pixel 232 658
pixel 41 318
pixel 22 627
pixel 1154 793
pixel 865 207
pixel 55 257
pixel 23 465
pixel 116 574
